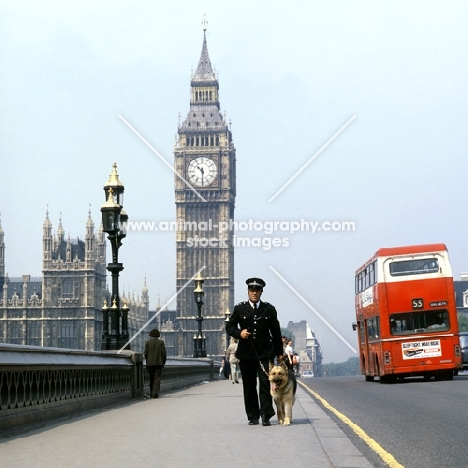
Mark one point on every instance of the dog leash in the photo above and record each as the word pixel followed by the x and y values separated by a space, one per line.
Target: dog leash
pixel 259 360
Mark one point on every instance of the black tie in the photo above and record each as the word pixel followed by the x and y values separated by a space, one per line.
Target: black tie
pixel 255 307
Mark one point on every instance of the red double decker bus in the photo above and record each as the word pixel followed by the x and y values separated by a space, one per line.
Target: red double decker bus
pixel 406 315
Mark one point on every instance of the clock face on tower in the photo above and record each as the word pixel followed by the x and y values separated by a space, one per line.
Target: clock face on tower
pixel 202 171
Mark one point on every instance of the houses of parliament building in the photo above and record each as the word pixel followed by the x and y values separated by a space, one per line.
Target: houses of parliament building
pixel 62 308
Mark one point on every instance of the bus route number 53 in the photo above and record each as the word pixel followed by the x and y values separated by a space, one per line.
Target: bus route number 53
pixel 418 303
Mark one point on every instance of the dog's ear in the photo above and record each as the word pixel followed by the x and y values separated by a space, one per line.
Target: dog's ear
pixel 284 366
pixel 271 366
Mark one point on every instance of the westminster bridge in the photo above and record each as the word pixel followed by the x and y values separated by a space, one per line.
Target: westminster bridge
pixel 75 408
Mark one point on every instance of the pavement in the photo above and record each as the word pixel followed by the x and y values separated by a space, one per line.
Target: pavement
pixel 203 426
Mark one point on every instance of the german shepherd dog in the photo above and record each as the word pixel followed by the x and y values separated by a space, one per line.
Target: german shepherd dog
pixel 283 386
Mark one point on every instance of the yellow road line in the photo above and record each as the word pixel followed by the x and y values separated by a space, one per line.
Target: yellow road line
pixel 384 455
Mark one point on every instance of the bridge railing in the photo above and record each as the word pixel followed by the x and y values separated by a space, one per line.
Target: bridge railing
pixel 41 383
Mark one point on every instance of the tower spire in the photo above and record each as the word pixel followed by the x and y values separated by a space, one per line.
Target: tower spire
pixel 60 230
pixel 204 72
pixel 46 240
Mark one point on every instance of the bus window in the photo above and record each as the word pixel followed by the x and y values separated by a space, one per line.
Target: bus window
pixel 419 322
pixel 414 267
pixel 362 335
pixel 373 328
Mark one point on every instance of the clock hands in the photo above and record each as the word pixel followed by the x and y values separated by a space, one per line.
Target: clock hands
pixel 202 173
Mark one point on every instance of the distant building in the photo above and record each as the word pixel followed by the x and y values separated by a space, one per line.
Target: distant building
pixel 166 322
pixel 461 294
pixel 62 308
pixel 307 346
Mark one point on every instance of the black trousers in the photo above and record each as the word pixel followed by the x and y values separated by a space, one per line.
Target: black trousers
pixel 155 379
pixel 254 407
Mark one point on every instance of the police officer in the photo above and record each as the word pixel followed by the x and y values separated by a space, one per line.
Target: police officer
pixel 255 324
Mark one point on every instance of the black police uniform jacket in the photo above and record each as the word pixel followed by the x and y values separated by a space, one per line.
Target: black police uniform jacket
pixel 265 340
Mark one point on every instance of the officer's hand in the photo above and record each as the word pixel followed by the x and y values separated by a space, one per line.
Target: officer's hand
pixel 280 359
pixel 244 334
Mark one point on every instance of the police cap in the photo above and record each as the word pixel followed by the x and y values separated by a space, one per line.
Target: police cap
pixel 257 283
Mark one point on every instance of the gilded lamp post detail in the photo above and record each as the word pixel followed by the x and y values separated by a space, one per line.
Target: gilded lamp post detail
pixel 113 218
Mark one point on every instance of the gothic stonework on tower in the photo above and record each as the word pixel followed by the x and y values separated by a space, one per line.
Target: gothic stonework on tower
pixel 205 157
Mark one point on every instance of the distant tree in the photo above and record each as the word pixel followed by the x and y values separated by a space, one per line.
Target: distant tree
pixel 287 333
pixel 462 322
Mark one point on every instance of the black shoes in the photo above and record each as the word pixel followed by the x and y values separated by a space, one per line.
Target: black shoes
pixel 265 421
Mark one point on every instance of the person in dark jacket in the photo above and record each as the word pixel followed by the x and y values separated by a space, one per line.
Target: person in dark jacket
pixel 226 366
pixel 255 324
pixel 155 355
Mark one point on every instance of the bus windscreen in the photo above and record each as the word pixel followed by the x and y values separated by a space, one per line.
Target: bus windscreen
pixel 419 322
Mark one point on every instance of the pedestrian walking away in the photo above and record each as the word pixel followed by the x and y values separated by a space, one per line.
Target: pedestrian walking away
pixel 155 355
pixel 254 323
pixel 288 354
pixel 296 363
pixel 225 367
pixel 233 361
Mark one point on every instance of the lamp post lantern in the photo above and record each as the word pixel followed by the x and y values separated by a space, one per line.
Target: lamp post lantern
pixel 199 340
pixel 113 217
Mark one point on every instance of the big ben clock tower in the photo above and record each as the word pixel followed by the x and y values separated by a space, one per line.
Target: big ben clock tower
pixel 205 190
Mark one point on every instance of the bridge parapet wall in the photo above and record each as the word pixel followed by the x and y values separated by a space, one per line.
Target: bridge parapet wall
pixel 39 383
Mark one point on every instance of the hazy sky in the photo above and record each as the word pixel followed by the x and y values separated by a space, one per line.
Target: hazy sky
pixel 291 75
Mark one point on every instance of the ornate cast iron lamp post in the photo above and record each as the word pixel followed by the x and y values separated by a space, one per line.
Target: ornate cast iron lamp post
pixel 199 340
pixel 113 221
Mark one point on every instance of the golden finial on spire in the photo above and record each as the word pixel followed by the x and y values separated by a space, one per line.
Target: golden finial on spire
pixel 204 22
